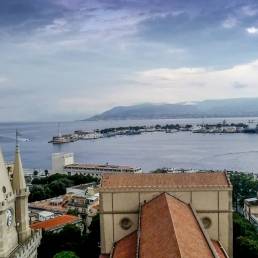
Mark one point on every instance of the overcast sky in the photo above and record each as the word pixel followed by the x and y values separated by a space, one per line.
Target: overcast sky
pixel 69 59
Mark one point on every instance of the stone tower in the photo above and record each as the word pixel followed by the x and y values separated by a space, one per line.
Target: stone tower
pixel 8 233
pixel 21 203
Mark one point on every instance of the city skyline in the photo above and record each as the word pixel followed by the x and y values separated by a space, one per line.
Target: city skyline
pixel 66 60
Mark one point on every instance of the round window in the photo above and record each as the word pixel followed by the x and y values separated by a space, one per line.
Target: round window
pixel 126 223
pixel 206 222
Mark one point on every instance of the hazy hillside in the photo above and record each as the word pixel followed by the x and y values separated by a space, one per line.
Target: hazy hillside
pixel 208 108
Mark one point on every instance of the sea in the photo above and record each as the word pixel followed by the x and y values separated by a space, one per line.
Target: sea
pixel 182 150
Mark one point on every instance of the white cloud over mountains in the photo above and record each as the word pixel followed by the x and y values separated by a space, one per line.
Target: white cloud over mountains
pixel 201 83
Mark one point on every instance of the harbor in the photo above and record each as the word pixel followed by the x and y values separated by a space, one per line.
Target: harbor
pixel 218 128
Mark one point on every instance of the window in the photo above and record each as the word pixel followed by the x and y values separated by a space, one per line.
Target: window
pixel 206 222
pixel 126 223
pixel 4 189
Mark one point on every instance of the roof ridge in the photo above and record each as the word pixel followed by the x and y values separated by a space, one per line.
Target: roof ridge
pixel 173 226
pixel 204 233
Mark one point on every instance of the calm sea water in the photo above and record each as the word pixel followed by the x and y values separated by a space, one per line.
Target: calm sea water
pixel 148 151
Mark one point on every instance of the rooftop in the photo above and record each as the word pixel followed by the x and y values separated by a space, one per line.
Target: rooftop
pixel 45 213
pixel 126 247
pixel 82 186
pixel 168 228
pixel 55 223
pixel 179 233
pixel 175 180
pixel 97 166
pixel 252 201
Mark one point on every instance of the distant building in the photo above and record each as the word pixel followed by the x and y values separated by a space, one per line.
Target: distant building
pixel 251 210
pixel 57 223
pixel 97 170
pixel 166 215
pixel 80 190
pixel 59 160
pixel 82 198
pixel 64 163
pixel 45 215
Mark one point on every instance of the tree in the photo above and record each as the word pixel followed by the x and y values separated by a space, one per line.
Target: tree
pixel 66 254
pixel 244 186
pixel 68 239
pixel 245 238
pixel 74 212
pixel 55 185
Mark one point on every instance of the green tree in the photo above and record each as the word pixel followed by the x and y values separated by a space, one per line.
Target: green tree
pixel 66 254
pixel 73 212
pixel 244 186
pixel 245 238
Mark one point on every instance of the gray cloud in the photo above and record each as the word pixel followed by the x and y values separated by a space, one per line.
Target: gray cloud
pixel 238 85
pixel 78 56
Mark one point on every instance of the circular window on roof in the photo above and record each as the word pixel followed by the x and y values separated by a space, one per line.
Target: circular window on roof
pixel 125 223
pixel 4 189
pixel 206 222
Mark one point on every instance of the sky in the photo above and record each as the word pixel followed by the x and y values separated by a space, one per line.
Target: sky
pixel 70 59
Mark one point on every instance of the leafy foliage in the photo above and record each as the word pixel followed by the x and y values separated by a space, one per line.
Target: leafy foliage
pixel 245 238
pixel 70 239
pixel 66 254
pixel 244 186
pixel 55 185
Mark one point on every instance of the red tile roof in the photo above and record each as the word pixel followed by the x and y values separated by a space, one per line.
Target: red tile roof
pixel 220 251
pixel 56 222
pixel 169 229
pixel 126 247
pixel 177 180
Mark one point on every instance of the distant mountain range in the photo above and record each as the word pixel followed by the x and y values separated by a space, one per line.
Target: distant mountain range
pixel 242 107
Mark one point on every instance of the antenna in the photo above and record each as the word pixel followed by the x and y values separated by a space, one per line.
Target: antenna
pixel 16 139
pixel 59 133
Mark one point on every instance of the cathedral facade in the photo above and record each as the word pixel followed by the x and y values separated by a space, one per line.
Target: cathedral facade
pixel 17 240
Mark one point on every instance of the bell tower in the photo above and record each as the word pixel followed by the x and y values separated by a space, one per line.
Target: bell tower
pixel 8 233
pixel 22 194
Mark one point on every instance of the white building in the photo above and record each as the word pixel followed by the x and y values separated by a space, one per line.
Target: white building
pixel 59 160
pixel 97 170
pixel 251 210
pixel 45 215
pixel 80 190
pixel 64 163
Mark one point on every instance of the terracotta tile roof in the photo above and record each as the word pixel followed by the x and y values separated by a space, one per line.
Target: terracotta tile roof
pixel 169 229
pixel 177 180
pixel 126 247
pixel 221 253
pixel 56 222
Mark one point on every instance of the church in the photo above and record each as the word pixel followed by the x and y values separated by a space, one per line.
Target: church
pixel 17 240
pixel 172 215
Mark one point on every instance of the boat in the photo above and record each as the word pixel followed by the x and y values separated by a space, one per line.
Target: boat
pixel 60 140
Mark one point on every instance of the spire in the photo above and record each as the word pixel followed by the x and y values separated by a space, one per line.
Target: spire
pixel 18 173
pixel 5 184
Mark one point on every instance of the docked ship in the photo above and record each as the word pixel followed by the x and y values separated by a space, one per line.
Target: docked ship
pixel 60 140
pixel 251 128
